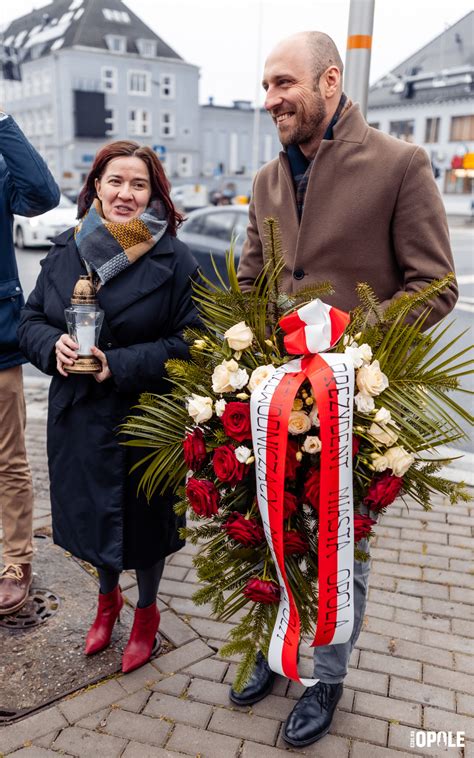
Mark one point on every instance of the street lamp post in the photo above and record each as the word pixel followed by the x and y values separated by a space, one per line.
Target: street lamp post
pixel 359 46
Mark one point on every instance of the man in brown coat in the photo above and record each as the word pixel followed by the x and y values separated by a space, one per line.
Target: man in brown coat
pixel 354 205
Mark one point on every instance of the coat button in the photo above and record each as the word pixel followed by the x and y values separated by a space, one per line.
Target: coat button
pixel 17 289
pixel 109 344
pixel 298 273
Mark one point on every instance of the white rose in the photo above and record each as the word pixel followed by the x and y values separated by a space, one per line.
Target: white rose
pixel 239 336
pixel 220 407
pixel 259 375
pixel 221 378
pixel 370 379
pixel 383 416
pixel 299 422
pixel 313 416
pixel 238 379
pixel 354 353
pixel 364 403
pixel 242 453
pixel 199 408
pixel 379 462
pixel 348 339
pixel 312 445
pixel 385 435
pixel 399 460
pixel 366 352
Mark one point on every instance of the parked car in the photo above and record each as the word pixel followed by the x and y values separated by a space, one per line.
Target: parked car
pixel 38 231
pixel 209 231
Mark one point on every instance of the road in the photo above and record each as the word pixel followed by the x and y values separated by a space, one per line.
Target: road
pixel 462 240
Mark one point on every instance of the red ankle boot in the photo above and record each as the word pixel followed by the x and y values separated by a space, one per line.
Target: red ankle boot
pixel 142 637
pixel 108 611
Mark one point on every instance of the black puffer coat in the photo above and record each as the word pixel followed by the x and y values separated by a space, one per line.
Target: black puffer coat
pixel 97 515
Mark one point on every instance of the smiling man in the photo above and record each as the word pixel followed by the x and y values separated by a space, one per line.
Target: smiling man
pixel 354 205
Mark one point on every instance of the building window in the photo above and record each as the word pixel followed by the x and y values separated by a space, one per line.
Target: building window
pixel 139 83
pixel 118 17
pixel 459 182
pixel 48 120
pixel 462 128
pixel 184 167
pixel 402 129
pixel 168 86
pixel 109 79
pixel 432 130
pixel 147 47
pixel 139 122
pixel 116 43
pixel 110 121
pixel 167 124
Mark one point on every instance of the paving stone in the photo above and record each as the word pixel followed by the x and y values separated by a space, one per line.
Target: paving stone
pixel 210 629
pixel 422 693
pixel 91 700
pixel 459 541
pixel 461 595
pixel 137 726
pixel 447 641
pixel 387 708
pixel 402 737
pixel 439 720
pixel 210 668
pixel 390 665
pixel 456 578
pixel 454 680
pixel 388 531
pixel 459 564
pixel 94 720
pixel 183 656
pixel 418 559
pixel 465 704
pixel 456 518
pixel 185 607
pixel 361 680
pixel 175 573
pixel 464 663
pixel 214 693
pixel 400 631
pixel 35 752
pixel 274 707
pixel 177 709
pixel 145 676
pixel 177 589
pixel 195 742
pixel 423 589
pixel 140 750
pixel 381 582
pixel 15 735
pixel 181 559
pixel 242 724
pixel 47 739
pixel 382 554
pixel 356 726
pixel 423 653
pixel 329 746
pixel 423 620
pixel 135 702
pixel 438 538
pixel 175 629
pixel 174 685
pixel 364 750
pixel 448 608
pixel 84 744
pixel 417 549
pixel 392 598
pixel 397 570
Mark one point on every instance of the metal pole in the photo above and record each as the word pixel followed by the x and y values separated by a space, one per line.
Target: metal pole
pixel 256 113
pixel 359 46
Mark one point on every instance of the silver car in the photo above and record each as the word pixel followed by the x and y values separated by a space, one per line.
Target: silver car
pixel 38 230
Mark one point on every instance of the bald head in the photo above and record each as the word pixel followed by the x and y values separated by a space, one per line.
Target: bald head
pixel 321 49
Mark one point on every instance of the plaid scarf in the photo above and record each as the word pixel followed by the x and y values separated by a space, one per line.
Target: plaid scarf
pixel 301 166
pixel 109 247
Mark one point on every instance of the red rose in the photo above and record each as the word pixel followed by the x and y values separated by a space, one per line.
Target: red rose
pixel 362 526
pixel 290 504
pixel 383 490
pixel 236 421
pixel 194 450
pixel 227 467
pixel 246 531
pixel 355 445
pixel 262 591
pixel 291 463
pixel 203 496
pixel 312 486
pixel 294 543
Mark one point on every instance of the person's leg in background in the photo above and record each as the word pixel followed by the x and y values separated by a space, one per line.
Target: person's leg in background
pixel 16 494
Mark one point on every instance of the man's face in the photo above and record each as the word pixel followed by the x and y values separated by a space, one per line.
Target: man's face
pixel 293 99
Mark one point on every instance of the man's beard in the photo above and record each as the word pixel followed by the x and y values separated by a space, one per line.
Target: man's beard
pixel 304 131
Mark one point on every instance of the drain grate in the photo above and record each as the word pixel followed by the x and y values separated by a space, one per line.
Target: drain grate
pixel 40 607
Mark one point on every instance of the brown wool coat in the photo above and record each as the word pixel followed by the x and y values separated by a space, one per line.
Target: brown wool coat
pixel 372 214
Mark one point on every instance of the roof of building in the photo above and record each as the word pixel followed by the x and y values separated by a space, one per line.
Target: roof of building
pixel 440 71
pixel 86 23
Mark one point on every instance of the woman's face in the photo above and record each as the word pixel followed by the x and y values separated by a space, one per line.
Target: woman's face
pixel 124 188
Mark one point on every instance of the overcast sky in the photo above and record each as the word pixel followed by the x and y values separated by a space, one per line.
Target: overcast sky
pixel 221 36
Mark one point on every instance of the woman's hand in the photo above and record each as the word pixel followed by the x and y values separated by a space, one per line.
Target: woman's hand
pixel 66 353
pixel 105 372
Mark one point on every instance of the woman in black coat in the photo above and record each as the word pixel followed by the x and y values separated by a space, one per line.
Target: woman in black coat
pixel 126 241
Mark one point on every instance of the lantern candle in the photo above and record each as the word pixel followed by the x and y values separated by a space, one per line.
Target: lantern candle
pixel 84 320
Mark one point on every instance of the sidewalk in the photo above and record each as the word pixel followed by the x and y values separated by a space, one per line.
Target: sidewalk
pixel 412 669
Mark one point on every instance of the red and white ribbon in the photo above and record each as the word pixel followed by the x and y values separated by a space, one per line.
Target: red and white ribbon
pixel 332 380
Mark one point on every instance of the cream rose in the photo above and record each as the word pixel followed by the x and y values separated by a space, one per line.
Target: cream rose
pixel 360 355
pixel 220 407
pixel 383 416
pixel 371 380
pixel 239 336
pixel 242 453
pixel 238 379
pixel 227 377
pixel 299 422
pixel 364 403
pixel 384 434
pixel 379 462
pixel 199 408
pixel 313 416
pixel 399 460
pixel 312 445
pixel 259 375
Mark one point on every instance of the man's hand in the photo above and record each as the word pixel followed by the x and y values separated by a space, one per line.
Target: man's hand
pixel 105 373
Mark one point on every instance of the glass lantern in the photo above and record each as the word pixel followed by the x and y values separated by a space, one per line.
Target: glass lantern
pixel 84 321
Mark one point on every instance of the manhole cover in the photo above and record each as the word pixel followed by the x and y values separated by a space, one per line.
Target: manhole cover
pixel 40 606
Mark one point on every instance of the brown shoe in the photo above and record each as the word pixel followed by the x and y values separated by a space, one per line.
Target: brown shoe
pixel 15 582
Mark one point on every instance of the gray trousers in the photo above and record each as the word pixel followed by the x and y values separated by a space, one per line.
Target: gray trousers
pixel 331 661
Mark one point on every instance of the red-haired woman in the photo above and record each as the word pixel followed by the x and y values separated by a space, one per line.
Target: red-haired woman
pixel 126 240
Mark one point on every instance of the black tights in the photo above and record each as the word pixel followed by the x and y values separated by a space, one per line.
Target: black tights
pixel 148 581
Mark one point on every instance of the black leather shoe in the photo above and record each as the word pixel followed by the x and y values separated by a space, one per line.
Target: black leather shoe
pixel 259 684
pixel 311 717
